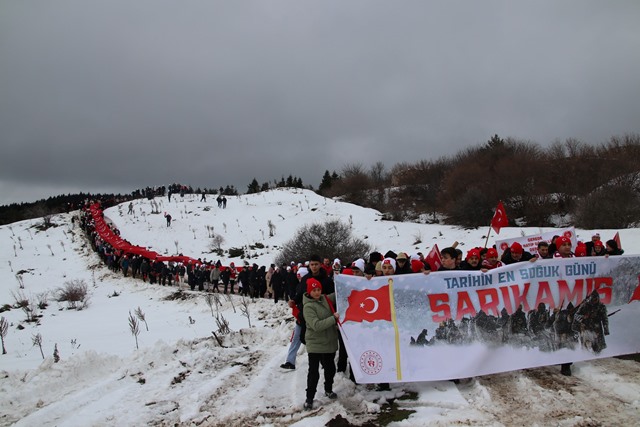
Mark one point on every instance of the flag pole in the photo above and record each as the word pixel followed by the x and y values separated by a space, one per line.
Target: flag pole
pixel 397 332
pixel 487 241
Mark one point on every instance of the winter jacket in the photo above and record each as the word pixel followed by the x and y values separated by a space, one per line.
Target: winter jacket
pixel 215 275
pixel 508 259
pixel 328 286
pixel 322 332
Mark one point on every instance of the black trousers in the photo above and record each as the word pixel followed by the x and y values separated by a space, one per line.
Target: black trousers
pixel 327 360
pixel 342 355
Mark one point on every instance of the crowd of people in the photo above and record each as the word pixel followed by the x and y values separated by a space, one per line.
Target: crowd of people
pixel 308 287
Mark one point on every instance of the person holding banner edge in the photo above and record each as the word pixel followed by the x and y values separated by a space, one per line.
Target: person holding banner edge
pixel 321 339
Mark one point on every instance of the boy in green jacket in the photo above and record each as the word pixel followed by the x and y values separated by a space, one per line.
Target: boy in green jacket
pixel 321 337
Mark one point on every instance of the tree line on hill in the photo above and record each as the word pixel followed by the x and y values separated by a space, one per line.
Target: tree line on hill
pixel 589 186
pixel 570 182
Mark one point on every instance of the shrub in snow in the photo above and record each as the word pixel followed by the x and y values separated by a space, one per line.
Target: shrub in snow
pixel 620 197
pixel 75 293
pixel 216 242
pixel 331 239
pixel 42 300
pixel 26 304
pixel 236 252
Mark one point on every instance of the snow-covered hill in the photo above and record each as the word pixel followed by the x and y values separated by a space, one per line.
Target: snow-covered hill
pixel 181 375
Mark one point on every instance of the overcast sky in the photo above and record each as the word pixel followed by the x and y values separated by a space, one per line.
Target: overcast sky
pixel 117 95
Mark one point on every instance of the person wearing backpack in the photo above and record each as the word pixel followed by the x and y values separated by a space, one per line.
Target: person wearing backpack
pixel 321 339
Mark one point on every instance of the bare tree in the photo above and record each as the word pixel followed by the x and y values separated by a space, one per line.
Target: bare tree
pixel 37 341
pixel 134 327
pixel 223 325
pixel 4 328
pixel 216 242
pixel 244 309
pixel 230 299
pixel 378 175
pixel 209 299
pixel 140 315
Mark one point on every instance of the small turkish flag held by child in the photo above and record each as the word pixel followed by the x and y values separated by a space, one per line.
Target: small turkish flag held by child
pixel 617 239
pixel 433 259
pixel 499 219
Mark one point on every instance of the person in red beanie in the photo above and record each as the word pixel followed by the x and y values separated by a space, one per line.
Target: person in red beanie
pixel 598 249
pixel 581 250
pixel 321 339
pixel 417 266
pixel 491 261
pixel 515 253
pixel 472 262
pixel 563 248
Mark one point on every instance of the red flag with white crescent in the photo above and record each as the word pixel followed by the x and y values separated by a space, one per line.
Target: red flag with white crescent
pixel 499 219
pixel 368 305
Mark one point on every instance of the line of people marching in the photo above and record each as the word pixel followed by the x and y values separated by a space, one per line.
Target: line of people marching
pixel 310 291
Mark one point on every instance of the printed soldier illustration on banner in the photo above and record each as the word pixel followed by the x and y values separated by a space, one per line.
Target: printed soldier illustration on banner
pixel 459 324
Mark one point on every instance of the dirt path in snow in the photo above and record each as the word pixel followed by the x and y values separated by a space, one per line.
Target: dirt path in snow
pixel 543 396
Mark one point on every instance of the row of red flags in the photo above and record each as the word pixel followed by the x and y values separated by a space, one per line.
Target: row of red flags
pixel 500 220
pixel 106 233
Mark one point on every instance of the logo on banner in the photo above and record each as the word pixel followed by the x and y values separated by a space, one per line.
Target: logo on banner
pixel 370 362
pixel 567 234
pixel 368 305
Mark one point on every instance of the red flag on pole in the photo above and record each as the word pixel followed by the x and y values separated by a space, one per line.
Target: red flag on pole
pixel 617 239
pixel 433 259
pixel 368 305
pixel 499 219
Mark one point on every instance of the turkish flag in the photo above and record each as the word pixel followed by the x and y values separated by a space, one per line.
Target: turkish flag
pixel 368 305
pixel 433 259
pixel 499 219
pixel 617 239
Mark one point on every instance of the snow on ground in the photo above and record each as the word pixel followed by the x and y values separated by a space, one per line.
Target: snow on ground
pixel 180 375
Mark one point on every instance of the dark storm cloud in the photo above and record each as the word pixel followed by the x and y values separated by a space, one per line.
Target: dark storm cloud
pixel 99 95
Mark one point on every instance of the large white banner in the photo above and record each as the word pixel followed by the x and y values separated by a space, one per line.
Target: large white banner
pixel 460 324
pixel 530 242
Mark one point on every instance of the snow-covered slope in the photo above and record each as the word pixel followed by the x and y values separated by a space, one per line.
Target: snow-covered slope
pixel 181 375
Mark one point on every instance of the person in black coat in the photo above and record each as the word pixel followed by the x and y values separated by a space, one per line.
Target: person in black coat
pixel 277 284
pixel 472 262
pixel 291 283
pixel 403 265
pixel 515 253
pixel 612 248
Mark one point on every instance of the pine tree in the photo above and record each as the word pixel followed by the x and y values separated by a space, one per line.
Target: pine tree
pixel 326 182
pixel 254 187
